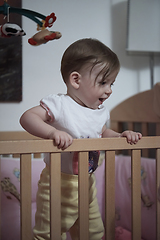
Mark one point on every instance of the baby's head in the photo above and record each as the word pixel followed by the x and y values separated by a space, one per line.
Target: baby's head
pixel 89 52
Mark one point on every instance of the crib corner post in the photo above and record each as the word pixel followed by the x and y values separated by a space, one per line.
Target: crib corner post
pixel 158 193
pixel 0 199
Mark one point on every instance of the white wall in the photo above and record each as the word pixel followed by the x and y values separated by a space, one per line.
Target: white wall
pixel 102 19
pixel 144 30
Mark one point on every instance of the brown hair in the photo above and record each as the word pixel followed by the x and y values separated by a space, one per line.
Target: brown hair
pixel 85 51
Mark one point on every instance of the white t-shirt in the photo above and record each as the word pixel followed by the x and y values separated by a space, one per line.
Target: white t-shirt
pixel 78 121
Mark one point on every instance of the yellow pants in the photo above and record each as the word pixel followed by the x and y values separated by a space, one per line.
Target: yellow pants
pixel 69 208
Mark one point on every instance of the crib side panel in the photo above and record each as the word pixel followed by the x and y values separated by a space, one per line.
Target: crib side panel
pixel 110 146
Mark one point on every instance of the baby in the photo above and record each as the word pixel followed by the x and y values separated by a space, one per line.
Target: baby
pixel 89 69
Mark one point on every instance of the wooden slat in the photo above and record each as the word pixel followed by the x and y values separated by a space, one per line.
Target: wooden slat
pixel 25 193
pixel 83 192
pixel 110 195
pixel 136 194
pixel 158 129
pixel 16 156
pixel 55 196
pixel 17 135
pixel 120 127
pixel 37 155
pixel 158 192
pixel 144 131
pixel 144 128
pixel 10 147
pixel 131 126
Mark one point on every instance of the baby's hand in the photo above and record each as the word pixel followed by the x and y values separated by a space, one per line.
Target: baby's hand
pixel 61 139
pixel 132 137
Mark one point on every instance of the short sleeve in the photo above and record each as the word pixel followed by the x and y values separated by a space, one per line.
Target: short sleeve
pixel 52 104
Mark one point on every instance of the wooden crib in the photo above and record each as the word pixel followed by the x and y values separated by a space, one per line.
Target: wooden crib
pixel 26 147
pixel 25 144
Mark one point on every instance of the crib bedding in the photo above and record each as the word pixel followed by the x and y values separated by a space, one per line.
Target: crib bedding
pixel 10 200
pixel 123 196
pixel 10 197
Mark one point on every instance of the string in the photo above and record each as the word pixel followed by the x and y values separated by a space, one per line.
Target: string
pixel 8 14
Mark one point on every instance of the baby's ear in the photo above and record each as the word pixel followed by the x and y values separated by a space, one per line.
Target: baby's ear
pixel 74 79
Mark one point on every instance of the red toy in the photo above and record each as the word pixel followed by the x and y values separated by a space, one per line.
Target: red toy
pixel 43 36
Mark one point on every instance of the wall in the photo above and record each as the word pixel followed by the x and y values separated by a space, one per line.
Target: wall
pixel 146 20
pixel 105 20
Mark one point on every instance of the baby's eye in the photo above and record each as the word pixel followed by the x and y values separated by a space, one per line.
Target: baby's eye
pixel 103 82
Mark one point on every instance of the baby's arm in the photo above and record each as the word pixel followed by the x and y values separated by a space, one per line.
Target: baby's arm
pixel 35 121
pixel 132 137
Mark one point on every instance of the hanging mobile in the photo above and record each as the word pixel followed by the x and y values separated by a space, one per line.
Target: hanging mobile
pixel 10 29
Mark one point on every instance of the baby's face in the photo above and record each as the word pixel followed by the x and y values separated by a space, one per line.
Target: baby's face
pixel 94 89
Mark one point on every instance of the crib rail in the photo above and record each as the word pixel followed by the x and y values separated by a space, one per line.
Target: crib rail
pixel 26 148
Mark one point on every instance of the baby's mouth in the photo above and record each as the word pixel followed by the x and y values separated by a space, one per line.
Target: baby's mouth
pixel 101 100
